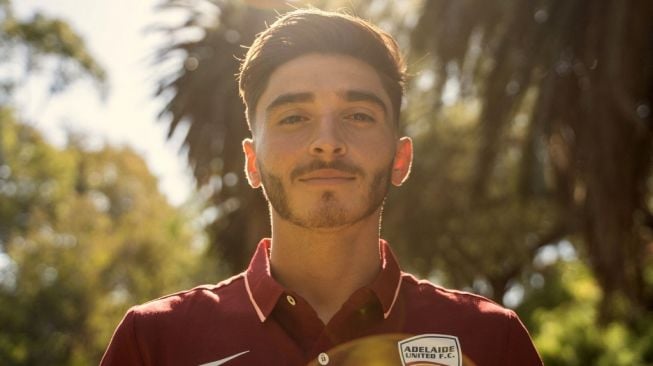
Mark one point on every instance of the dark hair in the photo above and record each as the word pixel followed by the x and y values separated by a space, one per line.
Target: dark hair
pixel 307 31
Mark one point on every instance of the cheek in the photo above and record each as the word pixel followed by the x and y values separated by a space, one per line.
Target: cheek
pixel 291 142
pixel 378 147
pixel 278 153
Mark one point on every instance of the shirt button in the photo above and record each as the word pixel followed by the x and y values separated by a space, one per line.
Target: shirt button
pixel 323 359
pixel 291 301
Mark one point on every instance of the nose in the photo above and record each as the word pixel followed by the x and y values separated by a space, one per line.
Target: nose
pixel 328 141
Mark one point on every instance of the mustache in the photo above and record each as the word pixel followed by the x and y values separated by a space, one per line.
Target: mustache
pixel 313 165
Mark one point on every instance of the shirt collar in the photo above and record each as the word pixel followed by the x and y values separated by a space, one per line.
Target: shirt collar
pixel 387 283
pixel 264 291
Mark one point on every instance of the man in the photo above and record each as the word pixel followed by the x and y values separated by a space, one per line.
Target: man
pixel 323 93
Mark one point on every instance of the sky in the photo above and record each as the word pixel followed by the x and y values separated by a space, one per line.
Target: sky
pixel 114 32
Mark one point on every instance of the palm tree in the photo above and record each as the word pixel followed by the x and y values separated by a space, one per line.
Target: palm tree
pixel 204 94
pixel 587 69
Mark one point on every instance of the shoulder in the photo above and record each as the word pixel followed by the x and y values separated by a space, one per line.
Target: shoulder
pixel 198 299
pixel 186 320
pixel 488 332
pixel 425 293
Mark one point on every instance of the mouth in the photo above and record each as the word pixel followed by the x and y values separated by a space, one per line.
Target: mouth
pixel 327 177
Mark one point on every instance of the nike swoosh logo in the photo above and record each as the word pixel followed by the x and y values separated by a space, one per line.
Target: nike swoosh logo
pixel 224 360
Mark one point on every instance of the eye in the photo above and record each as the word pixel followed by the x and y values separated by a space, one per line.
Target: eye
pixel 294 119
pixel 360 117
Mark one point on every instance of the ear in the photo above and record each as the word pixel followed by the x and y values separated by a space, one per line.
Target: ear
pixel 251 171
pixel 402 161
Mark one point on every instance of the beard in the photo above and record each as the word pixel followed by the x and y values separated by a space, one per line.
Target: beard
pixel 330 212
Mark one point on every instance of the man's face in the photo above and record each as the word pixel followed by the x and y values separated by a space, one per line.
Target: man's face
pixel 324 144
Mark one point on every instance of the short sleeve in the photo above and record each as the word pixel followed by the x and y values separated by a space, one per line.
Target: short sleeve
pixel 520 350
pixel 123 349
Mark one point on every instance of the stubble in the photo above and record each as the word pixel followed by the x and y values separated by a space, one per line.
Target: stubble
pixel 330 211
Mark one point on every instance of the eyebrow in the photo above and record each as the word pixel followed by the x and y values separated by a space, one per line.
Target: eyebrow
pixel 290 98
pixel 365 96
pixel 349 95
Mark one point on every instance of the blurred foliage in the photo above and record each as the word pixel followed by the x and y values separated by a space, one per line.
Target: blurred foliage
pixel 84 234
pixel 560 72
pixel 43 44
pixel 563 317
pixel 461 242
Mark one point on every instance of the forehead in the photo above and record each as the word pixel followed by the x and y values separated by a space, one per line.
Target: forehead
pixel 322 75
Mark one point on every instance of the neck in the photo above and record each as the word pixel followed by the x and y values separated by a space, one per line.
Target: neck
pixel 325 266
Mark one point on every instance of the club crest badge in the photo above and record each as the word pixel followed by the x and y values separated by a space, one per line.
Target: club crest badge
pixel 430 350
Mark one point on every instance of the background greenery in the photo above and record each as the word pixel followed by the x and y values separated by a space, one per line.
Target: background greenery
pixel 531 183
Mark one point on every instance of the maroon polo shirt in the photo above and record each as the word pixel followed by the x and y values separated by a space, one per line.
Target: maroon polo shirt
pixel 250 319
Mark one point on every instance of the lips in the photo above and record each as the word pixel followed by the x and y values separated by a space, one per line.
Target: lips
pixel 327 176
